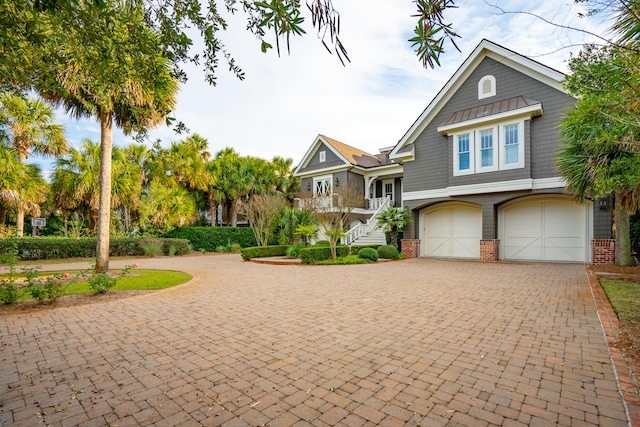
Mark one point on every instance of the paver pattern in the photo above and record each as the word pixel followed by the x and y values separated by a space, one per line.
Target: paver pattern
pixel 416 342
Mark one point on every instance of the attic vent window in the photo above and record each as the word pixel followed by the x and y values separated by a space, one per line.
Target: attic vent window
pixel 487 87
pixel 322 156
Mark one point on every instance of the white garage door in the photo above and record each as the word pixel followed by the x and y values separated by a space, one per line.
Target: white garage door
pixel 452 230
pixel 546 230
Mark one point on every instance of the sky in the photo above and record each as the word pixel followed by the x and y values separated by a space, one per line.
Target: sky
pixel 285 102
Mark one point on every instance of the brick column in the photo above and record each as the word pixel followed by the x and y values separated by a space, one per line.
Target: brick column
pixel 603 251
pixel 489 250
pixel 410 247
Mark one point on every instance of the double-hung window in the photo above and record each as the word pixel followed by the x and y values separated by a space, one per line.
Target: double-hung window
pixel 488 150
pixel 464 154
pixel 512 153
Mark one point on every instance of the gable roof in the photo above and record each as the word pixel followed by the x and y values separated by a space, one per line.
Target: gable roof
pixel 347 155
pixel 485 49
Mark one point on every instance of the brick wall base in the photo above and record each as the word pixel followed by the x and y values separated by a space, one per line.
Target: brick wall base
pixel 489 250
pixel 410 247
pixel 603 251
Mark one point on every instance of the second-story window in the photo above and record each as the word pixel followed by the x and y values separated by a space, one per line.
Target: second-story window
pixel 322 156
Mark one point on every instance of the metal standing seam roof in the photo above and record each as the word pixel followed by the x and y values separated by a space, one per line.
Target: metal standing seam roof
pixel 490 109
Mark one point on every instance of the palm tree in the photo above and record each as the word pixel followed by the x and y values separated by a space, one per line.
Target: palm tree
pixel 22 187
pixel 392 220
pixel 30 130
pixel 162 206
pixel 111 67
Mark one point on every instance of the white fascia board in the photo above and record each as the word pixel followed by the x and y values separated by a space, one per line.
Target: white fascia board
pixel 526 113
pixel 489 187
pixel 313 148
pixel 324 171
pixel 405 155
pixel 485 48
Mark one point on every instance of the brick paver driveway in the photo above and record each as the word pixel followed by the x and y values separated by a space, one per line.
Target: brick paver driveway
pixel 417 342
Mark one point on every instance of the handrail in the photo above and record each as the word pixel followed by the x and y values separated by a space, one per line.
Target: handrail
pixel 363 229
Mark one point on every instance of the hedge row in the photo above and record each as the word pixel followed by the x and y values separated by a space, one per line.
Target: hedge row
pixel 210 238
pixel 30 248
pixel 263 251
pixel 321 253
pixel 356 248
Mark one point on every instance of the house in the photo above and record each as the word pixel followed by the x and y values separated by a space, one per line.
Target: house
pixel 330 167
pixel 479 173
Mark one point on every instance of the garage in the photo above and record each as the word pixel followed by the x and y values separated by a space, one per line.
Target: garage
pixel 452 230
pixel 544 229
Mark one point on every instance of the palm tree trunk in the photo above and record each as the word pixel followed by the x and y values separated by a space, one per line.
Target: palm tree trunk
pixel 20 212
pixel 104 216
pixel 623 239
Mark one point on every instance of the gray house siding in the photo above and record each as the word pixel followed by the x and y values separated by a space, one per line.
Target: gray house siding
pixel 330 156
pixel 602 220
pixel 429 172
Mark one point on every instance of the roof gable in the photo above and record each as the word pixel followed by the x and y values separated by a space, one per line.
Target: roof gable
pixel 485 49
pixel 346 156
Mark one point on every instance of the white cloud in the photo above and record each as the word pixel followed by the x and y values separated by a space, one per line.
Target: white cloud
pixel 285 102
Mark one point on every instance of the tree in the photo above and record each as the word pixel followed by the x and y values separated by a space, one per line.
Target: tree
pixel 392 220
pixel 26 125
pixel 164 206
pixel 334 217
pixel 108 64
pixel 262 211
pixel 22 187
pixel 600 152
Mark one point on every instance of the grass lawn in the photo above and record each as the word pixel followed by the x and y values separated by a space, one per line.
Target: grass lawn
pixel 136 280
pixel 624 297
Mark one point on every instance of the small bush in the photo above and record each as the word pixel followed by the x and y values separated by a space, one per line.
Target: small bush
pixel 172 250
pixel 320 253
pixel 355 249
pixel 263 251
pixel 344 260
pixel 368 253
pixel 388 252
pixel 322 243
pixel 101 282
pixel 294 251
pixel 151 247
pixel 46 289
pixel 9 293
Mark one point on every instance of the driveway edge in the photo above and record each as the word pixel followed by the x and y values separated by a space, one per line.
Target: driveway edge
pixel 624 368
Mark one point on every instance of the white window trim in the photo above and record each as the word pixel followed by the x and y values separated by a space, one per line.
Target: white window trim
pixel 499 149
pixel 492 92
pixel 393 188
pixel 317 179
pixel 322 156
pixel 503 149
pixel 494 146
pixel 456 158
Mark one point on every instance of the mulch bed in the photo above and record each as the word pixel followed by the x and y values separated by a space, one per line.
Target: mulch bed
pixel 30 306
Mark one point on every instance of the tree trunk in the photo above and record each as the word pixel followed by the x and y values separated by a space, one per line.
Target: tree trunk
pixel 623 239
pixel 20 213
pixel 104 216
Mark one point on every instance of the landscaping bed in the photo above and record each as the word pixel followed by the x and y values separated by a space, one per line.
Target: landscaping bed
pixel 629 332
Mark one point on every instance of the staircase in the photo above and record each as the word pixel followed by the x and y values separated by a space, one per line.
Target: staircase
pixel 368 233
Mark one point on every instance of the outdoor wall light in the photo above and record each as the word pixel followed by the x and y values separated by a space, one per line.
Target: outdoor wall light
pixel 337 182
pixel 603 203
pixel 308 186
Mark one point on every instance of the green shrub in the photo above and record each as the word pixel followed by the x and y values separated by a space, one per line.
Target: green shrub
pixel 35 248
pixel 172 250
pixel 263 251
pixel 368 253
pixel 344 260
pixel 9 293
pixel 151 247
pixel 355 249
pixel 46 289
pixel 320 253
pixel 294 251
pixel 322 243
pixel 388 252
pixel 210 238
